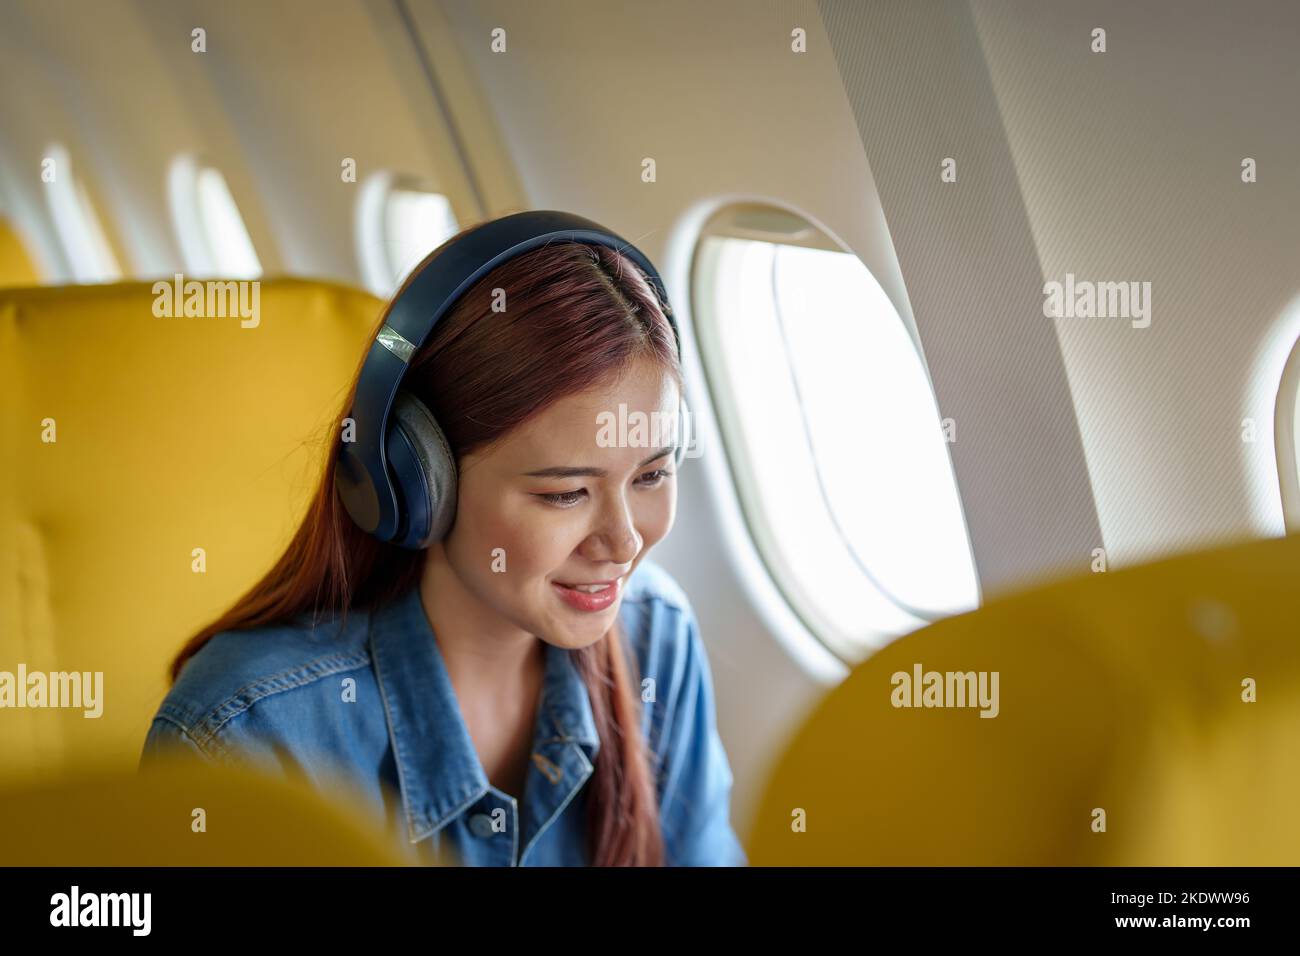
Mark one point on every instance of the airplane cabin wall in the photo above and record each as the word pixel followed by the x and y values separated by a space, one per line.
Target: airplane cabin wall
pixel 1130 168
pixel 285 92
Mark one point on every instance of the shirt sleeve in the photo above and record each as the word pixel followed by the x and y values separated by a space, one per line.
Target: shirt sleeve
pixel 697 778
pixel 167 740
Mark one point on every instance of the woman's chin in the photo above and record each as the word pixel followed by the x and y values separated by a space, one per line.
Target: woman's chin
pixel 574 630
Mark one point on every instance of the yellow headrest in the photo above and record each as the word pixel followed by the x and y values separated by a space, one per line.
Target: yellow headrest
pixel 16 266
pixel 1159 702
pixel 172 434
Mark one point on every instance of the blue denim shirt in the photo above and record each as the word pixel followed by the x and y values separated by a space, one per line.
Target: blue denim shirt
pixel 375 704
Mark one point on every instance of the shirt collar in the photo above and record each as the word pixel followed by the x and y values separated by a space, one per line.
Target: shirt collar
pixel 438 770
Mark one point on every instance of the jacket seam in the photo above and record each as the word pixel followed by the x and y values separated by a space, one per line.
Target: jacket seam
pixel 242 700
pixel 169 718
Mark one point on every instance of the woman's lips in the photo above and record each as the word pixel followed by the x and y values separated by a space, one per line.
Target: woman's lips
pixel 589 600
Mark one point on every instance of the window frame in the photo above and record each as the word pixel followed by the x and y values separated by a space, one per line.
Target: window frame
pixel 1284 439
pixel 766 221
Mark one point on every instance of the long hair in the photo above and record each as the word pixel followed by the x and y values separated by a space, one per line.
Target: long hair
pixel 576 316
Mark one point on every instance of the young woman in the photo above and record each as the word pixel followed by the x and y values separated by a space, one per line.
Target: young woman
pixel 528 690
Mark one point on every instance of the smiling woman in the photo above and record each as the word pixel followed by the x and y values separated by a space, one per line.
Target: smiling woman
pixel 534 690
pixel 564 511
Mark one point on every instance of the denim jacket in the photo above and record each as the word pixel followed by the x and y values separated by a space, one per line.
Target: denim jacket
pixel 375 704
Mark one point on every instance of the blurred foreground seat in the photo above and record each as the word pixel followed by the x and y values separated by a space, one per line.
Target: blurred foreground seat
pixel 1124 699
pixel 172 434
pixel 186 814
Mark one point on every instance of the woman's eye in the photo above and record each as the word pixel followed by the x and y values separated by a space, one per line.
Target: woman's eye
pixel 652 478
pixel 567 499
pixel 564 499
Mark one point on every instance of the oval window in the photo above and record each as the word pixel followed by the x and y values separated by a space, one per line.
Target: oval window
pixel 832 431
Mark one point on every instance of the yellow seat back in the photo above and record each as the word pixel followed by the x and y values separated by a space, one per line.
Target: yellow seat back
pixel 171 435
pixel 16 266
pixel 1124 703
pixel 182 813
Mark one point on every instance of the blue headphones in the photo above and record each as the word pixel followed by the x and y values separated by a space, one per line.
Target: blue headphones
pixel 398 478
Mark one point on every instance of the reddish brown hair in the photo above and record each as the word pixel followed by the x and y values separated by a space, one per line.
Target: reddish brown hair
pixel 576 316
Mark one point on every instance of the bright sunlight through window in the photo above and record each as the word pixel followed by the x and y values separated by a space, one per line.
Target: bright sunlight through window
pixel 833 435
pixel 398 224
pixel 80 232
pixel 214 240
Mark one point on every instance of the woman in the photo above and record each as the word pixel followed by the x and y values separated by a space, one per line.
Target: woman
pixel 528 690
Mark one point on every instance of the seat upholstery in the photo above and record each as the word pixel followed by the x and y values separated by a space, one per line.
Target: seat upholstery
pixel 172 434
pixel 1120 691
pixel 16 266
pixel 179 813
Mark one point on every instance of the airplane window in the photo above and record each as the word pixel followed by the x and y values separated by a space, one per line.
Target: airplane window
pixel 214 240
pixel 832 431
pixel 398 224
pixel 77 223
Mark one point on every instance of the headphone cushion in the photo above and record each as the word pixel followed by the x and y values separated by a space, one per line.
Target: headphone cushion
pixel 424 471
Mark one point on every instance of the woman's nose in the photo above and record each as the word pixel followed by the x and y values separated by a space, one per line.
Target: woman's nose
pixel 616 540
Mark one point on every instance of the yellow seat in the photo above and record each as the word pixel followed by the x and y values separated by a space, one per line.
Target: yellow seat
pixel 1124 693
pixel 16 266
pixel 171 434
pixel 182 813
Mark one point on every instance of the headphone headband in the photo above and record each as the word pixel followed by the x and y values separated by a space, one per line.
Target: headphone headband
pixel 362 474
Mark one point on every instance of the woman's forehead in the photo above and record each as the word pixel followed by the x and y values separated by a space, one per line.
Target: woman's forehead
pixel 626 415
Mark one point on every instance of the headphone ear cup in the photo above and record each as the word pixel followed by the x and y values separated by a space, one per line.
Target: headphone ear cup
pixel 424 473
pixel 684 433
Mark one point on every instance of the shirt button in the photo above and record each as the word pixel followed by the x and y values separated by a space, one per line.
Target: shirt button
pixel 480 824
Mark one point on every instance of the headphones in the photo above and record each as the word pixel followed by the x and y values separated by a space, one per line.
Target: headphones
pixel 398 478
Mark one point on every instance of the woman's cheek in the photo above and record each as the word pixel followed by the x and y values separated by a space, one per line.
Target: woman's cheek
pixel 491 539
pixel 655 519
pixel 537 540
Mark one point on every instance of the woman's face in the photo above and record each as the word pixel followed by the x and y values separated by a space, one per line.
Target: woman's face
pixel 550 506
